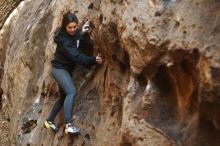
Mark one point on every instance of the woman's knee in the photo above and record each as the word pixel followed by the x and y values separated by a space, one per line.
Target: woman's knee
pixel 71 94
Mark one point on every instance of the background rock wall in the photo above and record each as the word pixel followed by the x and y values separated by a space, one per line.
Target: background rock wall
pixel 6 7
pixel 158 85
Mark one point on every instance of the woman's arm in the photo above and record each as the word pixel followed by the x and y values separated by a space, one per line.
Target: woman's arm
pixel 72 53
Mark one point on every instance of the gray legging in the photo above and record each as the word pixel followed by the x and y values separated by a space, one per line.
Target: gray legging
pixel 67 94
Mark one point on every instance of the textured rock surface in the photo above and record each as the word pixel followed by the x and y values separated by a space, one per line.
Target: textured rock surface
pixel 6 7
pixel 158 85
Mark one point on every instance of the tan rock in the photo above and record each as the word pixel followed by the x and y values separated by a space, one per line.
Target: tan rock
pixel 159 84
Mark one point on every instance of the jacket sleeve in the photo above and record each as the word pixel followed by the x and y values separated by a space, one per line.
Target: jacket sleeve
pixel 73 54
pixel 84 40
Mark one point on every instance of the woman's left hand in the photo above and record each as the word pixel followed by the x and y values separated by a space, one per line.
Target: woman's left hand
pixel 86 27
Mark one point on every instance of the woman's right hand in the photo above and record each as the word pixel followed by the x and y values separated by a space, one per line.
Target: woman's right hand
pixel 99 59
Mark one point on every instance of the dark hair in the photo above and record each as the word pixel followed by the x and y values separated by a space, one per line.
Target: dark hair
pixel 68 18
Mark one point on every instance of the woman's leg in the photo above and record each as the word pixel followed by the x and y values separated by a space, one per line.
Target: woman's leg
pixel 63 77
pixel 57 106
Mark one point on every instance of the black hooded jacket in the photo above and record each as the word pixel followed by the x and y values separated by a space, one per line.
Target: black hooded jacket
pixel 67 53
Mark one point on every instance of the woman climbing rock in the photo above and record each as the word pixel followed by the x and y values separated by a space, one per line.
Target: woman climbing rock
pixel 68 39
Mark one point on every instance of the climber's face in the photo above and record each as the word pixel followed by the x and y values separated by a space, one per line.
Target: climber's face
pixel 71 28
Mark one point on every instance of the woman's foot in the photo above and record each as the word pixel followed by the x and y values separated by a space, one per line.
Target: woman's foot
pixel 71 129
pixel 51 125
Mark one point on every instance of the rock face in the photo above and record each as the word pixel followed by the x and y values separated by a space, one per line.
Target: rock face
pixel 6 7
pixel 159 84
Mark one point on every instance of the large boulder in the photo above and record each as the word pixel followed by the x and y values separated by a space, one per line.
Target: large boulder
pixel 159 84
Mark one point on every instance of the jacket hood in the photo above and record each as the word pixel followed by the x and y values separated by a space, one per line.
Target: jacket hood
pixel 60 35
